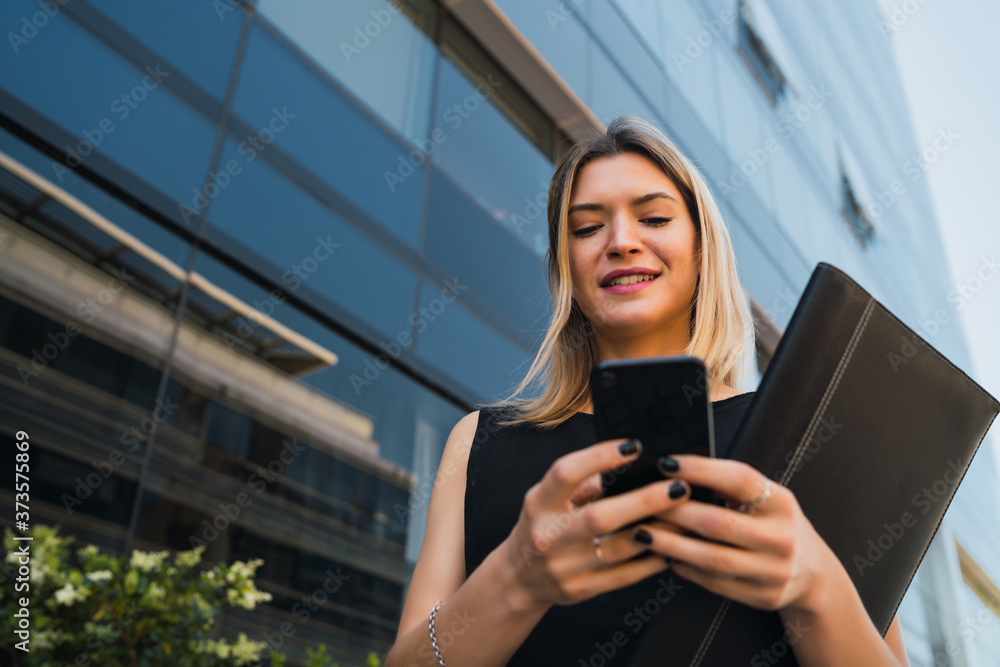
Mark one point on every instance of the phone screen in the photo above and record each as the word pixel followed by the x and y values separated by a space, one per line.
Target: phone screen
pixel 662 401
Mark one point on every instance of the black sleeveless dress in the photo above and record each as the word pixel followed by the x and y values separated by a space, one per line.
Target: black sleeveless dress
pixel 504 463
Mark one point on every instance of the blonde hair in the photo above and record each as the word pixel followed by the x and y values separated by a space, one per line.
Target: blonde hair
pixel 721 328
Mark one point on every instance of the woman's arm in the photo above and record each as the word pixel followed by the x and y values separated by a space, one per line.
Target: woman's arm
pixel 483 620
pixel 772 558
pixel 549 557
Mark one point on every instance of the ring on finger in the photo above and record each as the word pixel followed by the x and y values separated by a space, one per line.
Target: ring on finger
pixel 597 551
pixel 759 500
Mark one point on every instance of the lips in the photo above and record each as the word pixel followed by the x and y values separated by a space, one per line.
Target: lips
pixel 628 276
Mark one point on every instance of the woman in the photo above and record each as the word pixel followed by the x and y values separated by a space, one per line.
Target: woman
pixel 640 265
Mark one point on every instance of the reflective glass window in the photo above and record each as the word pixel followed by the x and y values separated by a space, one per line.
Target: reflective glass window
pixel 556 33
pixel 480 149
pixel 109 105
pixel 279 96
pixel 464 347
pixel 260 214
pixel 464 242
pixel 199 38
pixel 373 48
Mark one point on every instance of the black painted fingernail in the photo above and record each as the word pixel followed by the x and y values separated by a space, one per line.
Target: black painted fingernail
pixel 630 447
pixel 668 465
pixel 677 490
pixel 642 535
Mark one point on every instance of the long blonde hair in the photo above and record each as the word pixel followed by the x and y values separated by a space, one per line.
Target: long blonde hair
pixel 721 327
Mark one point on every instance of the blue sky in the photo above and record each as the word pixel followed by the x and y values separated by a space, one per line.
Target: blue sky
pixel 948 53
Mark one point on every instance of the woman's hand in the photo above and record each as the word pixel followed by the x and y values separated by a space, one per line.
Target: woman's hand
pixel 552 549
pixel 766 555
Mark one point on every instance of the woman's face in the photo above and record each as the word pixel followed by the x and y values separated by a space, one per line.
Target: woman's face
pixel 628 219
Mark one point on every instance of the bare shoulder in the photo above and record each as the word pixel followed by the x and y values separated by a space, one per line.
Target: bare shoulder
pixel 719 391
pixel 440 567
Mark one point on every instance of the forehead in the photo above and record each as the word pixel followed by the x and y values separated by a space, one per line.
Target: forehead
pixel 628 174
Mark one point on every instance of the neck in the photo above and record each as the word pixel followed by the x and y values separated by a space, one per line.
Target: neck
pixel 672 342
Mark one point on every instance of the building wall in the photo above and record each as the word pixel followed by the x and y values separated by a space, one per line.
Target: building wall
pixel 337 185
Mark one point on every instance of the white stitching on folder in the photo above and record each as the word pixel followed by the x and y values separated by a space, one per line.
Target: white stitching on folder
pixel 828 395
pixel 799 450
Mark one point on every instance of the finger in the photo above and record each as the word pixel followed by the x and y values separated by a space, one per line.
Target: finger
pixel 722 525
pixel 734 480
pixel 568 471
pixel 615 548
pixel 750 593
pixel 589 490
pixel 723 561
pixel 610 514
pixel 601 580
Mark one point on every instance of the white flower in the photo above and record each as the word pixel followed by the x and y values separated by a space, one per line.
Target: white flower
pixel 189 558
pixel 147 560
pixel 156 592
pixel 99 575
pixel 66 595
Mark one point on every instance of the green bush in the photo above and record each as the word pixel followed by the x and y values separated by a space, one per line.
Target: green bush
pixel 149 610
pixel 145 611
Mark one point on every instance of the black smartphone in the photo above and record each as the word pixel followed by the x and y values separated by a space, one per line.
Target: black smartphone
pixel 662 401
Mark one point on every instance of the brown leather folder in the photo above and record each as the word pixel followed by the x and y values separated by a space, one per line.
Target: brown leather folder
pixel 873 430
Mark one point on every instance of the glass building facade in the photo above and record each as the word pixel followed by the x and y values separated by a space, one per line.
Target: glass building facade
pixel 257 258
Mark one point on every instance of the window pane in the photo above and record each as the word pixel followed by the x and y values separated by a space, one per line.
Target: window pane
pixel 199 38
pixel 109 105
pixel 464 242
pixel 488 157
pixel 355 161
pixel 306 245
pixel 464 347
pixel 370 46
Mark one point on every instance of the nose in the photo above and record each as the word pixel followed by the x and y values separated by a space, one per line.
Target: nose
pixel 624 237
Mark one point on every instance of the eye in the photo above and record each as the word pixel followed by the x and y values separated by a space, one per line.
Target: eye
pixel 656 222
pixel 586 231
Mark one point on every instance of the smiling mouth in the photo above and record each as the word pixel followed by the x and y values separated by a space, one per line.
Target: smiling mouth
pixel 630 279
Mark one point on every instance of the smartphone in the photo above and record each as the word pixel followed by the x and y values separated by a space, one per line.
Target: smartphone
pixel 662 401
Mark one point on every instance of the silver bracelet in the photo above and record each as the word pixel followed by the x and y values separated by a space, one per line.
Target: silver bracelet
pixel 430 630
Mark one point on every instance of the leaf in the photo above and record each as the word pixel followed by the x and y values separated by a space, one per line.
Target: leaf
pixel 131 580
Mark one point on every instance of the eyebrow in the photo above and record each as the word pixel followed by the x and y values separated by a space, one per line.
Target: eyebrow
pixel 635 202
